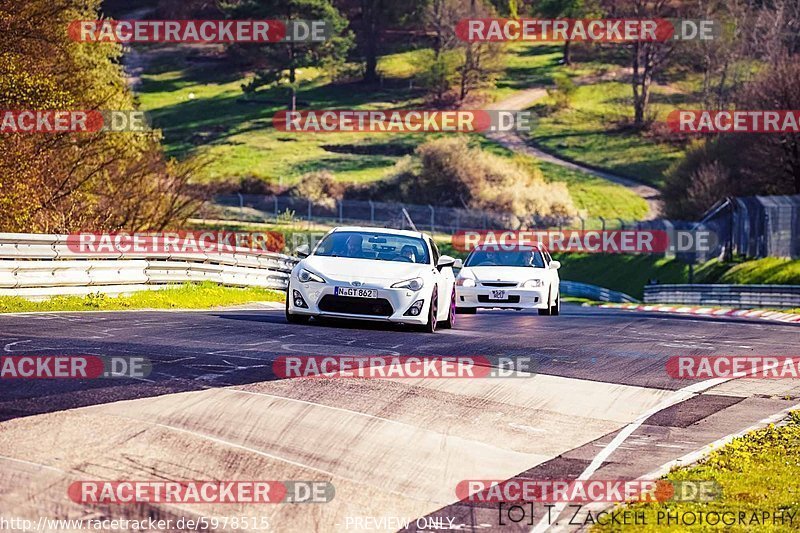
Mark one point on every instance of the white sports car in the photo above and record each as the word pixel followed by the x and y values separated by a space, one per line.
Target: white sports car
pixel 373 274
pixel 523 278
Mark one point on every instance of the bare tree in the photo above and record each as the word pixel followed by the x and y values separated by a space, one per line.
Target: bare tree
pixel 648 58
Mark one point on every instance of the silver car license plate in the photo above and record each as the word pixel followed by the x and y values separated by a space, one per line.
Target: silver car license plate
pixel 356 292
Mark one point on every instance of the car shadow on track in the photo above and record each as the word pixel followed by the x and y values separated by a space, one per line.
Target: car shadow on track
pixel 366 325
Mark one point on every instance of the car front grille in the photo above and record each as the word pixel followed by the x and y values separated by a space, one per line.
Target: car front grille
pixel 356 306
pixel 486 300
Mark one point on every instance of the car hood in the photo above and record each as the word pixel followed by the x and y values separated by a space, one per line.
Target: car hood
pixel 501 273
pixel 348 269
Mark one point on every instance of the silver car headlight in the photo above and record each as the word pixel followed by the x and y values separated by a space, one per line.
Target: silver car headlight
pixel 412 284
pixel 533 283
pixel 305 276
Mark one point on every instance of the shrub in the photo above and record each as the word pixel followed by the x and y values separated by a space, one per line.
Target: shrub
pixel 449 172
pixel 320 187
pixel 563 92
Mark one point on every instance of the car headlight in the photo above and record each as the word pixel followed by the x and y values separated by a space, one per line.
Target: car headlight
pixel 305 276
pixel 533 283
pixel 465 282
pixel 413 284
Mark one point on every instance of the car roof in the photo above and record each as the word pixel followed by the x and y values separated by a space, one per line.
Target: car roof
pixel 388 231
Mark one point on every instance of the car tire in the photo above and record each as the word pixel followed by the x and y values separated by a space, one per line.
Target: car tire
pixel 294 319
pixel 451 316
pixel 556 309
pixel 433 309
pixel 549 310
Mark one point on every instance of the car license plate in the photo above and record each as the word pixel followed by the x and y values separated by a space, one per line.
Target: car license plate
pixel 355 291
pixel 498 295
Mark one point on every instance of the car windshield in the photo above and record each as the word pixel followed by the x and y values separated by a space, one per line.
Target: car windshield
pixel 515 258
pixel 377 246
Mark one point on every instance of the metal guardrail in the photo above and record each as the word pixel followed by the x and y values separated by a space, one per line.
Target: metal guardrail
pixel 737 296
pixel 37 266
pixel 593 292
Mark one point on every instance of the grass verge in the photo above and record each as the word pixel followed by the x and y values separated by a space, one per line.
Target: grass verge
pixel 624 273
pixel 770 270
pixel 629 273
pixel 188 296
pixel 757 473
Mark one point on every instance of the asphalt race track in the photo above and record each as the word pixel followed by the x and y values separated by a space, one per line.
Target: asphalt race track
pixel 394 449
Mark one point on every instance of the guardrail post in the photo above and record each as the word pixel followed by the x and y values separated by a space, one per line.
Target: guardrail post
pixel 371 212
pixel 276 207
pixel 341 211
pixel 583 223
pixel 603 222
pixel 309 214
pixel 241 203
pixel 433 213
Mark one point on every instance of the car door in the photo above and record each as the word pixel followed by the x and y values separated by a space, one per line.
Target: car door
pixel 552 275
pixel 444 279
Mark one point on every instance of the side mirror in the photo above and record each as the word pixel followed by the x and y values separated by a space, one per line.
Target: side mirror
pixel 555 265
pixel 302 250
pixel 445 261
pixel 458 264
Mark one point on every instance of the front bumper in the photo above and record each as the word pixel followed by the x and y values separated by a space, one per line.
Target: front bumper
pixel 515 297
pixel 389 306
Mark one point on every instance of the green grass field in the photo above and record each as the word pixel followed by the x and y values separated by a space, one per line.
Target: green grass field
pixel 188 296
pixel 594 131
pixel 197 101
pixel 202 111
pixel 770 270
pixel 757 473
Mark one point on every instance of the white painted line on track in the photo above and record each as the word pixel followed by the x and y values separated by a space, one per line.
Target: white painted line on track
pixel 693 457
pixel 30 463
pixel 679 396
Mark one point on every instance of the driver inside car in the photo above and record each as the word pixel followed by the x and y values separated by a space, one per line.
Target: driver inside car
pixel 408 253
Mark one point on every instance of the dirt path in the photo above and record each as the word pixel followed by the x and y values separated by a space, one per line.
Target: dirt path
pixel 512 141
